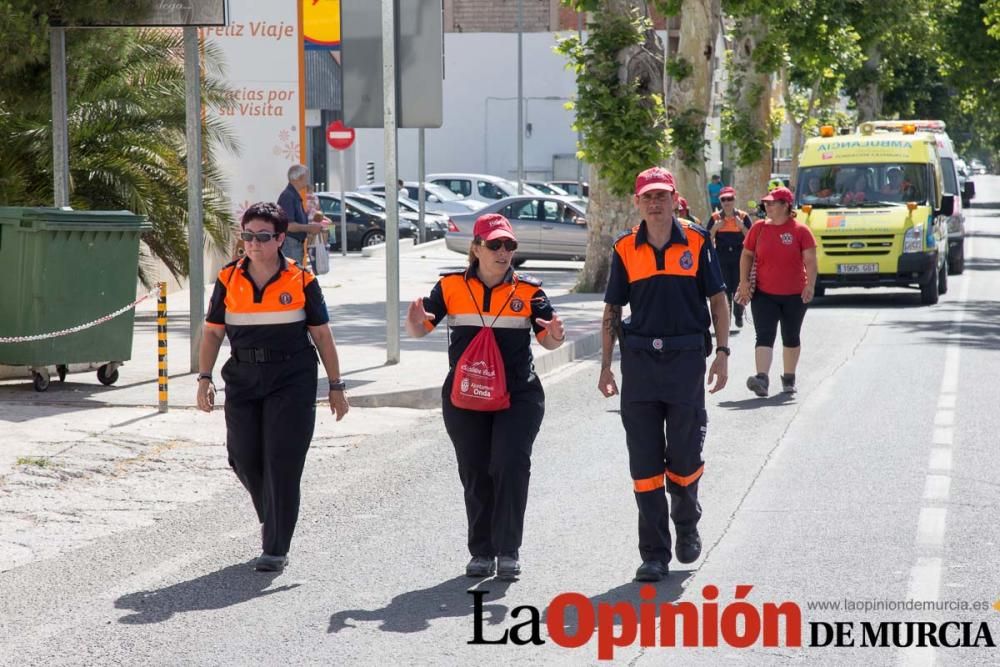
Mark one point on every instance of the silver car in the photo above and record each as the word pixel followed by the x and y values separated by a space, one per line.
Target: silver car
pixel 547 227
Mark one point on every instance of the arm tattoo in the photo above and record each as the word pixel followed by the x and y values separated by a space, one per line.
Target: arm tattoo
pixel 612 330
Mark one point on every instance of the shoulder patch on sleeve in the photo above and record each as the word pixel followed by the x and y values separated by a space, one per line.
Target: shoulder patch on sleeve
pixel 530 279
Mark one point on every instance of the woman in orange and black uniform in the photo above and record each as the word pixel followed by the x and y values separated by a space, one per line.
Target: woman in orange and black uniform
pixel 493 448
pixel 267 304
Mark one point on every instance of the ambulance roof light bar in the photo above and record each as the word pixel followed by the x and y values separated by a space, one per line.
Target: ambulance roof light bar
pixel 897 125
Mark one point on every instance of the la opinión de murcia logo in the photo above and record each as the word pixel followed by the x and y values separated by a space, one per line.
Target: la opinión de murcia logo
pixel 572 620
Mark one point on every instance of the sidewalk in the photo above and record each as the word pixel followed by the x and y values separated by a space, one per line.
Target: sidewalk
pixel 355 295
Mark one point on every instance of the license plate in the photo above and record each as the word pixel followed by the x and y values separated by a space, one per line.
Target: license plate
pixel 857 268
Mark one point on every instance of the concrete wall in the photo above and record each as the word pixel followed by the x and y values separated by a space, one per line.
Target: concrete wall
pixel 480 112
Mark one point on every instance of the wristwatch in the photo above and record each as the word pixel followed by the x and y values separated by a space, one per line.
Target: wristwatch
pixel 337 385
pixel 723 348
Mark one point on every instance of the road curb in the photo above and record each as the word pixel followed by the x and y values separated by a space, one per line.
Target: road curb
pixel 405 247
pixel 429 398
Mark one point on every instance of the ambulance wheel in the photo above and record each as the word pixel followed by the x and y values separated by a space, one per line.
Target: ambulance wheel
pixel 105 378
pixel 40 381
pixel 929 291
pixel 943 279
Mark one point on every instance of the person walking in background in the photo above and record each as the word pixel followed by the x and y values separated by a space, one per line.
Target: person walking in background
pixel 682 210
pixel 784 251
pixel 492 443
pixel 667 271
pixel 727 229
pixel 714 188
pixel 269 307
pixel 291 202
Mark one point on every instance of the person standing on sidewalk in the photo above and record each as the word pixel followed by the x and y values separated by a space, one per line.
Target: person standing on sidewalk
pixel 299 226
pixel 785 253
pixel 668 273
pixel 714 189
pixel 727 228
pixel 269 306
pixel 493 449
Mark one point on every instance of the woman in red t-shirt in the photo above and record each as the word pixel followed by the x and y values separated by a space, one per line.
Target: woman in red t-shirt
pixel 784 251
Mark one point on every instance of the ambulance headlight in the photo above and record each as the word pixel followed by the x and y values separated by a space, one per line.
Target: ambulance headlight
pixel 913 240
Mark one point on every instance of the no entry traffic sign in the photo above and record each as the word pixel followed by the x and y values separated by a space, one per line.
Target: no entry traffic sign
pixel 339 136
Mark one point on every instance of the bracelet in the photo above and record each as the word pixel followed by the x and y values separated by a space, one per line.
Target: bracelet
pixel 337 385
pixel 723 348
pixel 205 376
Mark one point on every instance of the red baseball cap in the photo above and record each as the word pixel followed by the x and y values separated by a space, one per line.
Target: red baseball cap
pixel 682 203
pixel 780 194
pixel 493 226
pixel 654 178
pixel 727 191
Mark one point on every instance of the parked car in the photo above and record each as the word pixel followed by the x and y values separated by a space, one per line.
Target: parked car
pixel 547 227
pixel 436 197
pixel 547 188
pixel 436 223
pixel 483 187
pixel 365 225
pixel 575 188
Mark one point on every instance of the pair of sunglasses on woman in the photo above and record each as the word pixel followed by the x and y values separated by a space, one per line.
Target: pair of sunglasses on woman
pixel 510 245
pixel 259 237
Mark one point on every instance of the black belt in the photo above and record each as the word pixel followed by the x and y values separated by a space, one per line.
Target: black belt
pixel 688 342
pixel 263 355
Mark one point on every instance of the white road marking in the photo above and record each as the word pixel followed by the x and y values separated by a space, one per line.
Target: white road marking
pixel 940 459
pixel 937 488
pixel 930 526
pixel 944 436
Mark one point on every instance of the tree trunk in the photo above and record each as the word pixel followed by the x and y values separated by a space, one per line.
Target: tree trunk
pixel 608 215
pixel 869 96
pixel 751 94
pixel 691 97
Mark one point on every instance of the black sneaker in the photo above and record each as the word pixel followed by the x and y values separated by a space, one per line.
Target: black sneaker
pixel 688 547
pixel 758 384
pixel 481 567
pixel 739 321
pixel 508 568
pixel 269 563
pixel 788 383
pixel 651 570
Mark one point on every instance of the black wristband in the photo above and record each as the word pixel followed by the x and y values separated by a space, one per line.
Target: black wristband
pixel 723 348
pixel 337 385
pixel 205 376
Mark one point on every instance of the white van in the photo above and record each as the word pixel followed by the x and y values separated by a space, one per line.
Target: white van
pixel 952 185
pixel 482 187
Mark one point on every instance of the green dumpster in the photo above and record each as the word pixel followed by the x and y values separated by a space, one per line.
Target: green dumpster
pixel 61 269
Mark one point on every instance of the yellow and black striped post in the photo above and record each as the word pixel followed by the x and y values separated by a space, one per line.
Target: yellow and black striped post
pixel 161 345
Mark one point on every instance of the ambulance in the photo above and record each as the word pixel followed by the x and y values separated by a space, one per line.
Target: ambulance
pixel 875 201
pixel 953 185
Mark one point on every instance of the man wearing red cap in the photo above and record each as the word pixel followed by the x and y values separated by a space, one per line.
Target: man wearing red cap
pixel 664 269
pixel 727 228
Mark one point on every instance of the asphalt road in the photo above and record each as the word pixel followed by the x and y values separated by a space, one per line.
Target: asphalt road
pixel 877 482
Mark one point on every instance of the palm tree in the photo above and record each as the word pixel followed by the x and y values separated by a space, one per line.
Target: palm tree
pixel 126 115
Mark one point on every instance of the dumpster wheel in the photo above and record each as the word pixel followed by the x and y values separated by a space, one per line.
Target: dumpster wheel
pixel 40 380
pixel 106 378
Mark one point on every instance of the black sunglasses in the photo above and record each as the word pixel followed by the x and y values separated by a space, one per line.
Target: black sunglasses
pixel 727 199
pixel 510 245
pixel 259 237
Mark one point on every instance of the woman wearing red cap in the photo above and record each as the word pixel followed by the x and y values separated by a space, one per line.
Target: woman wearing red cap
pixel 493 446
pixel 785 254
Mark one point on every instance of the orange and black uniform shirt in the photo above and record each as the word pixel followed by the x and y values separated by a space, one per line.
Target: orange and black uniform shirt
pixel 667 287
pixel 728 238
pixel 518 301
pixel 274 317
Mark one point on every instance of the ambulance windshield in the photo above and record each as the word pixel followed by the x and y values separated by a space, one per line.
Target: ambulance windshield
pixel 863 185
